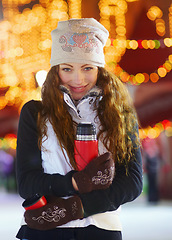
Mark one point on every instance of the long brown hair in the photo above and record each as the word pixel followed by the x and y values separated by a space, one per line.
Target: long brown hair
pixel 115 111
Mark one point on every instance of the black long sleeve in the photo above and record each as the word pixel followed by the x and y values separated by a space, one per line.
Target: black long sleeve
pixel 31 178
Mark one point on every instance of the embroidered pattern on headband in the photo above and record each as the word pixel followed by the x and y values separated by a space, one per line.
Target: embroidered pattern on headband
pixel 80 40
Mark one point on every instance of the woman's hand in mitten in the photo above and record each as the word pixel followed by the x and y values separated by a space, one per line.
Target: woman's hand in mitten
pixel 56 212
pixel 98 174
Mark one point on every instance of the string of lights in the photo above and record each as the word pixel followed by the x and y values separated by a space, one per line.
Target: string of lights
pixel 155 131
pixel 140 78
pixel 142 44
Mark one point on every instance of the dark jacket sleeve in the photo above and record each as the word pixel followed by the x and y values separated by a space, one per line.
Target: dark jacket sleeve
pixel 31 178
pixel 125 188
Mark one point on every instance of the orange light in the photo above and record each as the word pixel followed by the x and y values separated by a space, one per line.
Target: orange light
pixel 124 76
pixel 168 66
pixel 154 77
pixel 146 77
pixel 144 44
pixel 162 71
pixel 139 78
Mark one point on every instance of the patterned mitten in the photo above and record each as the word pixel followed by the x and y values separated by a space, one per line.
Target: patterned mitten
pixel 98 174
pixel 56 212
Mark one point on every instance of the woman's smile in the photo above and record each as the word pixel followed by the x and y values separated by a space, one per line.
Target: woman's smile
pixel 78 89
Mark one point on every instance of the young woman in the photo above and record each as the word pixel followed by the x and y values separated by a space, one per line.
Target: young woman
pixel 78 89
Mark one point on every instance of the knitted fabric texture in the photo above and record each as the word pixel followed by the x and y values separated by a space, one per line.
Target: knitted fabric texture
pixel 79 40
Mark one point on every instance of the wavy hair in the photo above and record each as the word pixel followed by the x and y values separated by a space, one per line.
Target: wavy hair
pixel 115 111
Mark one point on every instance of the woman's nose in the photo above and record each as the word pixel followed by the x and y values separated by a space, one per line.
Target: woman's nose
pixel 79 78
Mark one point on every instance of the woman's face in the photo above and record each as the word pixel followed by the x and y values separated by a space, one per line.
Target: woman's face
pixel 78 78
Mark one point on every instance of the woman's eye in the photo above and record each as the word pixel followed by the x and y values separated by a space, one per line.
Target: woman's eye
pixel 88 68
pixel 66 69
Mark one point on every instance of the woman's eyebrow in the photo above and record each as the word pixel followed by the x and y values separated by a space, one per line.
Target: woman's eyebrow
pixel 66 64
pixel 86 65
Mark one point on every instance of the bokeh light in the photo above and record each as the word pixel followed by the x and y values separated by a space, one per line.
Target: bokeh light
pixel 154 12
pixel 40 77
pixel 154 132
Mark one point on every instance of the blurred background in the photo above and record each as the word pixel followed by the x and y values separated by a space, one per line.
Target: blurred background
pixel 138 51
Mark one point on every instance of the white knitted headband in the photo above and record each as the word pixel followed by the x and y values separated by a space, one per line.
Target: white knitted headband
pixel 79 40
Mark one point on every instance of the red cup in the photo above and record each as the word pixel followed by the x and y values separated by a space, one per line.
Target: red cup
pixel 34 202
pixel 86 144
pixel 85 151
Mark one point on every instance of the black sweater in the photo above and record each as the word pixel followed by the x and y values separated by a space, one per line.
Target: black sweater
pixel 32 179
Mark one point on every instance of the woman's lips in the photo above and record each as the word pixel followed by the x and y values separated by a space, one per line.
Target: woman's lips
pixel 78 89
